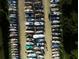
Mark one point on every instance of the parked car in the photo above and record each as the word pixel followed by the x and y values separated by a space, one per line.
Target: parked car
pixel 29 43
pixel 56 55
pixel 55 46
pixel 38 36
pixel 31 55
pixel 54 9
pixel 55 37
pixel 39 32
pixel 54 1
pixel 29 23
pixel 53 5
pixel 12 30
pixel 38 23
pixel 56 41
pixel 30 51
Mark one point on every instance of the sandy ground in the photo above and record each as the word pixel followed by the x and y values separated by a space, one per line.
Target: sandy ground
pixel 22 29
pixel 48 52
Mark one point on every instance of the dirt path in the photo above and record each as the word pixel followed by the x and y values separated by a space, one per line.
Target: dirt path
pixel 22 29
pixel 48 36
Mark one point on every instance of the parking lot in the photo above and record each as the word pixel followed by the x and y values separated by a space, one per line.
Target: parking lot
pixel 39 29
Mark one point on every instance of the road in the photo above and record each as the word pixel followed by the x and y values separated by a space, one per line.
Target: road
pixel 22 28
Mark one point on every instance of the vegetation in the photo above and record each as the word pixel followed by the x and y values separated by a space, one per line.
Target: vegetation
pixel 69 19
pixel 4 27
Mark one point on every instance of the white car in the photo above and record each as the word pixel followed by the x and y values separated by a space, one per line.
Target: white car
pixel 55 55
pixel 56 42
pixel 12 30
pixel 57 12
pixel 29 43
pixel 28 23
pixel 55 37
pixel 55 49
pixel 28 39
pixel 14 44
pixel 41 40
pixel 42 18
pixel 55 52
pixel 13 25
pixel 55 1
pixel 39 23
pixel 39 31
pixel 56 33
pixel 38 52
pixel 12 15
pixel 30 19
pixel 14 39
pixel 31 58
pixel 53 5
pixel 56 25
pixel 55 21
pixel 14 2
pixel 41 44
pixel 13 34
pixel 30 51
pixel 54 9
pixel 31 55
pixel 37 48
pixel 40 57
pixel 42 47
pixel 13 54
pixel 38 36
pixel 29 31
pixel 28 10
